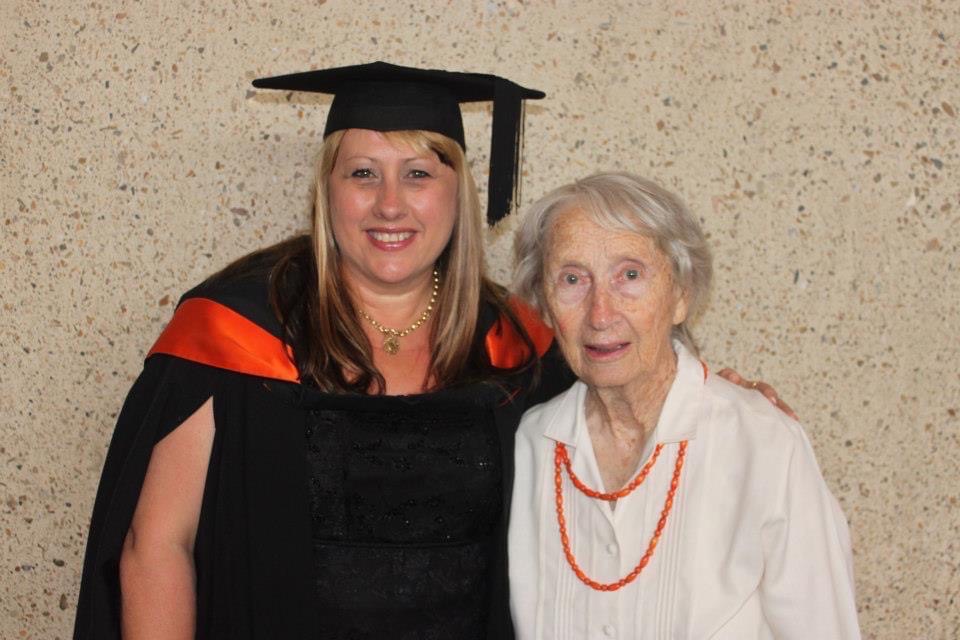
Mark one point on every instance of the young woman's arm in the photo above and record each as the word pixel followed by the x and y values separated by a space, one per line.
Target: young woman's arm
pixel 157 577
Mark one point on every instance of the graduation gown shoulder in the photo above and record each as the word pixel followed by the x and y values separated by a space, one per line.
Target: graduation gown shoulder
pixel 253 549
pixel 223 344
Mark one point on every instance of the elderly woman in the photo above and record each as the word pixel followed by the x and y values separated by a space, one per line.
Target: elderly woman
pixel 654 499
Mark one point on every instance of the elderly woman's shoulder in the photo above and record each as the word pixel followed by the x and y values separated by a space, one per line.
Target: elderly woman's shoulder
pixel 539 417
pixel 747 412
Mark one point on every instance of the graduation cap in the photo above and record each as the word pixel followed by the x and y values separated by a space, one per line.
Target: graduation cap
pixel 387 97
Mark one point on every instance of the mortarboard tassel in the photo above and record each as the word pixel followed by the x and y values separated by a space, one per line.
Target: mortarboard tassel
pixel 505 145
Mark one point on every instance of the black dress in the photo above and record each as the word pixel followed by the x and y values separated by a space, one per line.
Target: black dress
pixel 405 497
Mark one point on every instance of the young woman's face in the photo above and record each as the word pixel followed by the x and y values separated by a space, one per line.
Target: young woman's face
pixel 392 210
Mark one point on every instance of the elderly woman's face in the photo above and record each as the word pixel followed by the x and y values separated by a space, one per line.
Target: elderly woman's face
pixel 611 299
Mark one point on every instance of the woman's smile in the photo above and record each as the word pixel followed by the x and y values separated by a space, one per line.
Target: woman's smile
pixel 387 240
pixel 606 351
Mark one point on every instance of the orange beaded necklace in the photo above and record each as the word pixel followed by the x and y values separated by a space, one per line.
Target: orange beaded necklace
pixel 561 460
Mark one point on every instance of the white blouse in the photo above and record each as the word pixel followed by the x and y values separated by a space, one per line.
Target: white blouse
pixel 755 546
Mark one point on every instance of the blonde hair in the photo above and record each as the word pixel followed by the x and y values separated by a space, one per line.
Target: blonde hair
pixel 620 201
pixel 345 356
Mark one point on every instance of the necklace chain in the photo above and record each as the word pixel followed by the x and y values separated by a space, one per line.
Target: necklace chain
pixel 391 337
pixel 561 460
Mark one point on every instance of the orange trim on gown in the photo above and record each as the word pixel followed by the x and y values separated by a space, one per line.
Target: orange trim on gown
pixel 207 332
pixel 505 346
pixel 211 333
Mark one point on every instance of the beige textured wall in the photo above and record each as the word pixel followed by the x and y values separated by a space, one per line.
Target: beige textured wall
pixel 818 142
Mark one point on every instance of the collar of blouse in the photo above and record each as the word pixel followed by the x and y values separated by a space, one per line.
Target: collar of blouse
pixel 678 421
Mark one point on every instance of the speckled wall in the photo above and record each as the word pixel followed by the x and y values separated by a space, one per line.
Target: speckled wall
pixel 817 141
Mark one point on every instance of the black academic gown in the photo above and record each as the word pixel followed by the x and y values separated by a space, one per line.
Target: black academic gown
pixel 253 549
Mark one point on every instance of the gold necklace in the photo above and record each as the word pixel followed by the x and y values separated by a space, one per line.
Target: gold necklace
pixel 391 337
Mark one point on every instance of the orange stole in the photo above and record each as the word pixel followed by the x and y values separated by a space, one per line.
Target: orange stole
pixel 211 333
pixel 505 346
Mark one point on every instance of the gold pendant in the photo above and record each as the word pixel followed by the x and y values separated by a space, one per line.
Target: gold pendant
pixel 390 344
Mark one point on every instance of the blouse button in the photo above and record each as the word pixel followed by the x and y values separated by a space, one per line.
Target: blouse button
pixel 612 549
pixel 609 631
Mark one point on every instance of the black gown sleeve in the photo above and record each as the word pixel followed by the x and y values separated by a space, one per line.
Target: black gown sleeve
pixel 165 394
pixel 253 553
pixel 555 377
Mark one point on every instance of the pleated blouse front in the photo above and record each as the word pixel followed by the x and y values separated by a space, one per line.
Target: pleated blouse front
pixel 723 567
